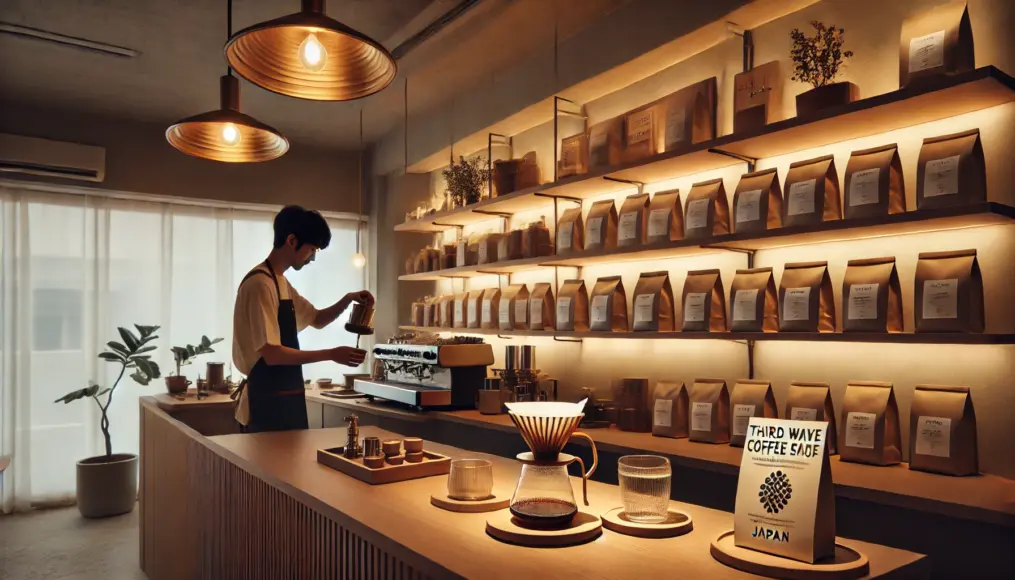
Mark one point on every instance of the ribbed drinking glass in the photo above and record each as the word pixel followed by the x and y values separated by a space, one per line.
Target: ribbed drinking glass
pixel 644 487
pixel 470 479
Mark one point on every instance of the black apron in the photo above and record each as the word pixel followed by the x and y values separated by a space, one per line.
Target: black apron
pixel 275 392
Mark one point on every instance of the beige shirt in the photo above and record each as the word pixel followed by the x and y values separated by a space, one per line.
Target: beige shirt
pixel 255 316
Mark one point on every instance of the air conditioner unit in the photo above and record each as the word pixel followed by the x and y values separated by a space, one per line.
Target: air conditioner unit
pixel 51 158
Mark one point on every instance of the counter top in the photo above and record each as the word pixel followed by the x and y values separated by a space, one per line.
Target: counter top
pixel 172 403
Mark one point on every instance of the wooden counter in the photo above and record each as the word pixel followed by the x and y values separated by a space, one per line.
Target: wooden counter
pixel 211 415
pixel 260 506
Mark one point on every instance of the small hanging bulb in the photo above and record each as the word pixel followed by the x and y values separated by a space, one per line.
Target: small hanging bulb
pixel 230 134
pixel 312 54
pixel 359 260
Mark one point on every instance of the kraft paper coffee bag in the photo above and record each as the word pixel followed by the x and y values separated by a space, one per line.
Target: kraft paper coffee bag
pixel 640 134
pixel 669 410
pixel 606 144
pixel 514 308
pixel 756 96
pixel 445 312
pixel 490 308
pixel 806 300
pixel 757 203
pixel 461 308
pixel 753 301
pixel 574 156
pixel 570 232
pixel 631 228
pixel 948 293
pixel 573 306
pixel 703 302
pixel 812 402
pixel 709 412
pixel 750 398
pixel 951 171
pixel 536 240
pixel 707 213
pixel 473 309
pixel 942 431
pixel 541 308
pixel 871 298
pixel 665 218
pixel 430 311
pixel 488 245
pixel 936 42
pixel 874 183
pixel 689 115
pixel 509 247
pixel 608 305
pixel 653 303
pixel 811 194
pixel 601 226
pixel 870 424
pixel 417 313
pixel 634 401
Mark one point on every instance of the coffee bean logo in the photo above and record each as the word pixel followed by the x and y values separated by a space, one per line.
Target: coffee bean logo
pixel 776 492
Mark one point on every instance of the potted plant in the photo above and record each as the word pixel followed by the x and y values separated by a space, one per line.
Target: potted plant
pixel 817 60
pixel 107 484
pixel 465 180
pixel 184 355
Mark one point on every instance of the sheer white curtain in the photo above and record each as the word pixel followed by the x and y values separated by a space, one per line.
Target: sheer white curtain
pixel 74 267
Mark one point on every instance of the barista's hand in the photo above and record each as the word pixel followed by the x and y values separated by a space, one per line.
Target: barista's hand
pixel 348 356
pixel 363 297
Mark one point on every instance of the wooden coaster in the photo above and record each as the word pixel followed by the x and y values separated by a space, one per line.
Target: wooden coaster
pixel 846 564
pixel 676 524
pixel 492 504
pixel 505 527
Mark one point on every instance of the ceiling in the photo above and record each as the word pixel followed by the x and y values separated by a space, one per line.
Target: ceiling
pixel 180 45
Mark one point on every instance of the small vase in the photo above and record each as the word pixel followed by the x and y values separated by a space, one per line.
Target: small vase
pixel 834 95
pixel 177 385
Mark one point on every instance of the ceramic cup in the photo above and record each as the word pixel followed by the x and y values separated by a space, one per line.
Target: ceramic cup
pixel 470 479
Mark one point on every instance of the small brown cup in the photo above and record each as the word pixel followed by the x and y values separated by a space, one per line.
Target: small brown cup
pixel 416 457
pixel 373 462
pixel 413 445
pixel 394 459
pixel 391 447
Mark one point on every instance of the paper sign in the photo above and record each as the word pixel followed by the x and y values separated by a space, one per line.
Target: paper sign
pixel 628 227
pixel 863 302
pixel 803 414
pixel 941 177
pixel 701 416
pixel 800 197
pixel 745 304
pixel 658 222
pixel 941 298
pixel 599 308
pixel 676 127
pixel 694 307
pixel 933 436
pixel 595 231
pixel 663 416
pixel 644 307
pixel 860 430
pixel 749 206
pixel 564 310
pixel 863 189
pixel 927 51
pixel 796 304
pixel 697 213
pixel 564 235
pixel 639 127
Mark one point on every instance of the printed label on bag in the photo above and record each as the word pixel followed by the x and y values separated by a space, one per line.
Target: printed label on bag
pixel 639 127
pixel 536 312
pixel 569 155
pixel 473 314
pixel 749 206
pixel 521 309
pixel 745 304
pixel 941 298
pixel 644 307
pixel 628 228
pixel 676 127
pixel 741 417
pixel 564 310
pixel 595 231
pixel 459 311
pixel 504 310
pixel 927 51
pixel 933 436
pixel 487 307
pixel 597 140
pixel 600 312
pixel 803 414
pixel 697 214
pixel 941 177
pixel 701 416
pixel 483 252
pixel 860 430
pixel 863 188
pixel 796 304
pixel 564 235
pixel 663 415
pixel 863 302
pixel 658 223
pixel 694 307
pixel 800 197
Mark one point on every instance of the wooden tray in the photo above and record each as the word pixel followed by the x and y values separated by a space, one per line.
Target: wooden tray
pixel 585 527
pixel 846 564
pixel 432 464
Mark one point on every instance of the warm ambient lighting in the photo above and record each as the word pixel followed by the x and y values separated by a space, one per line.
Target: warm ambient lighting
pixel 359 260
pixel 230 134
pixel 313 54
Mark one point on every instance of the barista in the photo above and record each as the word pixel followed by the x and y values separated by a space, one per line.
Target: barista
pixel 267 317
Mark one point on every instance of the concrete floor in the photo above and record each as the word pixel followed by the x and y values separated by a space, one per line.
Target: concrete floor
pixel 61 545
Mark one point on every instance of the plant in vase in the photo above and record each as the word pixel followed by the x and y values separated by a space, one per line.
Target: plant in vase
pixel 107 484
pixel 817 60
pixel 465 180
pixel 184 355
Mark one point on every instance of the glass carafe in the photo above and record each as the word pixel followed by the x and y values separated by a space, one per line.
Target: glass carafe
pixel 543 496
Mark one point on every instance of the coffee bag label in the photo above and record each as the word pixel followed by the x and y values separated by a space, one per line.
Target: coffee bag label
pixel 701 416
pixel 749 206
pixel 487 307
pixel 800 198
pixel 741 417
pixel 643 307
pixel 933 436
pixel 473 306
pixel 697 213
pixel 745 304
pixel 628 228
pixel 941 298
pixel 796 304
pixel 639 127
pixel 484 253
pixel 564 309
pixel 863 189
pixel 676 127
pixel 658 222
pixel 941 177
pixel 564 235
pixel 694 306
pixel 663 415
pixel 504 310
pixel 803 414
pixel 569 155
pixel 536 311
pixel 595 231
pixel 600 310
pixel 521 307
pixel 927 51
pixel 459 314
pixel 860 430
pixel 863 302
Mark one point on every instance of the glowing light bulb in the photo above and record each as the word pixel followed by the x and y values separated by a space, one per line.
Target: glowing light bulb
pixel 359 260
pixel 312 54
pixel 230 134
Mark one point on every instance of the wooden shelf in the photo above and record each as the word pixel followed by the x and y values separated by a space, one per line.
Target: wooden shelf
pixel 505 267
pixel 942 98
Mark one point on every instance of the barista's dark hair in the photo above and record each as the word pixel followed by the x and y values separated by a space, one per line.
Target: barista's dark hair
pixel 308 226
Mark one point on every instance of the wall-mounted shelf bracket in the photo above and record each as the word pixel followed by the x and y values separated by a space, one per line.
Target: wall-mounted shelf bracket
pixel 748 37
pixel 748 252
pixel 456 226
pixel 640 185
pixel 558 339
pixel 750 161
pixel 493 213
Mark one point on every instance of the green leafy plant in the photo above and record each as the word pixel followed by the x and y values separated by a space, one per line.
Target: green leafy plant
pixel 184 355
pixel 130 354
pixel 817 59
pixel 465 180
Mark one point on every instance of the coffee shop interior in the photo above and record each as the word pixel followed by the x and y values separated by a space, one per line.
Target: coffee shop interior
pixel 642 287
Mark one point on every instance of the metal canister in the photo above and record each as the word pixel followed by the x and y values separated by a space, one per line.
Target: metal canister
pixel 361 319
pixel 491 384
pixel 371 446
pixel 512 356
pixel 527 360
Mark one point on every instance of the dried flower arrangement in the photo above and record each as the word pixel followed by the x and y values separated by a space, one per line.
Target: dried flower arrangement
pixel 466 180
pixel 817 59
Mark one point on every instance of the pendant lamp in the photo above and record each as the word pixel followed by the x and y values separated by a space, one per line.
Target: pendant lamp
pixel 310 56
pixel 227 134
pixel 358 259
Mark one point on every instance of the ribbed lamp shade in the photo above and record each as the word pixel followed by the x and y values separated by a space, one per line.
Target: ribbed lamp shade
pixel 207 135
pixel 352 65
